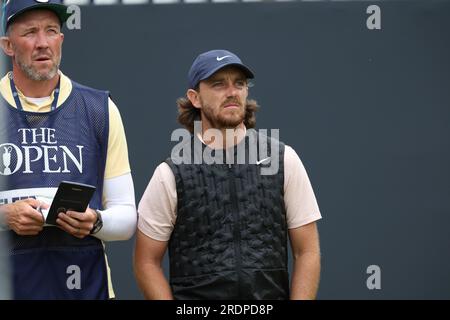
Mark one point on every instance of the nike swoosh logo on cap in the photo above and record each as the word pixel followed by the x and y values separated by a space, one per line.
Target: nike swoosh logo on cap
pixel 261 161
pixel 221 58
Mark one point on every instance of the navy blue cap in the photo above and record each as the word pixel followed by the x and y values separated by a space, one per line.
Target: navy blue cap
pixel 207 63
pixel 13 8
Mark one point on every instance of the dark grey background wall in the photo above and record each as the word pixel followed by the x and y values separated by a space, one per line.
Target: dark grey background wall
pixel 367 110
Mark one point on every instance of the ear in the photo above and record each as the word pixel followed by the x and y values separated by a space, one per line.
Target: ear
pixel 7 46
pixel 194 98
pixel 62 37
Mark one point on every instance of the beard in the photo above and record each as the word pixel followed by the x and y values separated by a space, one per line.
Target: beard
pixel 34 74
pixel 223 118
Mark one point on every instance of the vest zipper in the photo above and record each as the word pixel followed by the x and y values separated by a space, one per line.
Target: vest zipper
pixel 237 229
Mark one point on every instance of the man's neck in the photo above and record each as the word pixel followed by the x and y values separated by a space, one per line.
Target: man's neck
pixel 231 136
pixel 34 88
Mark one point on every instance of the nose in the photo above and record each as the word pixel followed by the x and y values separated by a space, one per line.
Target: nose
pixel 41 40
pixel 232 90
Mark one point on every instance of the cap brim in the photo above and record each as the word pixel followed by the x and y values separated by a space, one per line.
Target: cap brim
pixel 59 9
pixel 248 73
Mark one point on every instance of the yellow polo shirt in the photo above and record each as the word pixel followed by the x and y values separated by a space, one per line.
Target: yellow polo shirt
pixel 117 162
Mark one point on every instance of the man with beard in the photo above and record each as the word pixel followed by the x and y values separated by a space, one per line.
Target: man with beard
pixel 227 225
pixel 55 129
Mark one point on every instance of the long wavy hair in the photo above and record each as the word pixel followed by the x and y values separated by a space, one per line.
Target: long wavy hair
pixel 187 113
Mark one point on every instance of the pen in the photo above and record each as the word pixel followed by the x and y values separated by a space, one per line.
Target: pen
pixel 40 211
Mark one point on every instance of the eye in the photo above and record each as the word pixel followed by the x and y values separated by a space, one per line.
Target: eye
pixel 29 33
pixel 241 84
pixel 217 84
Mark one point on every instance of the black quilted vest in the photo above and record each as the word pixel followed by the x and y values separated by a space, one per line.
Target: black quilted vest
pixel 230 236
